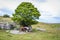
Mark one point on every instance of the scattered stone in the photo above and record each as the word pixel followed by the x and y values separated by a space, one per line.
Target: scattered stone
pixel 16 32
pixel 41 29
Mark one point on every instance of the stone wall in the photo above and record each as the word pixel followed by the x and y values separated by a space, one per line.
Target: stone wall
pixel 7 25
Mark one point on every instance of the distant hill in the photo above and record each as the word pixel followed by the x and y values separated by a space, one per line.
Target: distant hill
pixel 46 25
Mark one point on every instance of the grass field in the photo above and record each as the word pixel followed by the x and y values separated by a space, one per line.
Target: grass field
pixel 52 33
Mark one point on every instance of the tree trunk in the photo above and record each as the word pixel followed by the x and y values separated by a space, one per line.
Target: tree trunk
pixel 20 28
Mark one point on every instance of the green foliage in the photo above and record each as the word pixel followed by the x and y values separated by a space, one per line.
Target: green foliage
pixel 26 14
pixel 6 15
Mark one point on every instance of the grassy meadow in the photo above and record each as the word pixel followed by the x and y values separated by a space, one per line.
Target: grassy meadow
pixel 52 33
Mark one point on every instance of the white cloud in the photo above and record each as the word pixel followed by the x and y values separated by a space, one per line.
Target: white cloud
pixel 51 6
pixel 9 4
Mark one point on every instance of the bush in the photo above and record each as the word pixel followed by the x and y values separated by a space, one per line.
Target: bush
pixel 0 28
pixel 6 15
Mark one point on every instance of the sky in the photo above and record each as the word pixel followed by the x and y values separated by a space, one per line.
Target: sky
pixel 49 9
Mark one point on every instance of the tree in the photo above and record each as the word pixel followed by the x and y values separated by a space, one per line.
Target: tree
pixel 6 15
pixel 26 14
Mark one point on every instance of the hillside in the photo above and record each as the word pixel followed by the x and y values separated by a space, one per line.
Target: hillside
pixel 52 33
pixel 48 27
pixel 2 19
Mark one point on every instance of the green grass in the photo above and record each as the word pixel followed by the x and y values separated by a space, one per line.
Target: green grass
pixel 52 33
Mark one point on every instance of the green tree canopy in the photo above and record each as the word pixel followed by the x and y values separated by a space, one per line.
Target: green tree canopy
pixel 26 14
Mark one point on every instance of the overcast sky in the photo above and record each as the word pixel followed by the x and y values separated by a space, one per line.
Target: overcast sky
pixel 49 9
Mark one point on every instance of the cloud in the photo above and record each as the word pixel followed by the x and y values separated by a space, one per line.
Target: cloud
pixel 9 4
